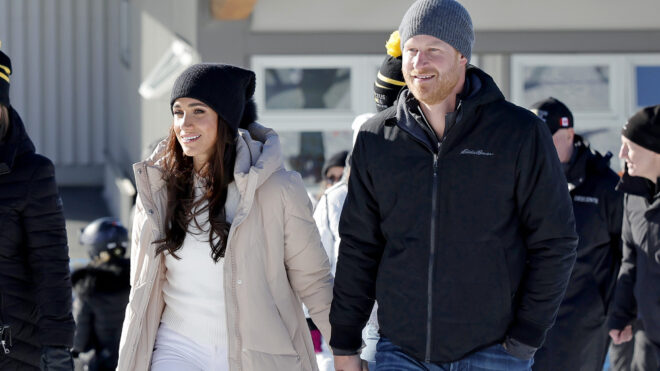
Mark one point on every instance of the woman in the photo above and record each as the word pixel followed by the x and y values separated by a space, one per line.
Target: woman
pixel 224 243
pixel 36 324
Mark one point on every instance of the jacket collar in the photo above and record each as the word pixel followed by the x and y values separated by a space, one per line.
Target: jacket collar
pixel 639 186
pixel 16 143
pixel 479 90
pixel 584 160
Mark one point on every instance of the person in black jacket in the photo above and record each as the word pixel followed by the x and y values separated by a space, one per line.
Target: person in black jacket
pixel 102 289
pixel 638 285
pixel 35 286
pixel 457 221
pixel 579 339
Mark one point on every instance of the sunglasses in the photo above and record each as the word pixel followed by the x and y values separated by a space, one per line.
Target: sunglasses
pixel 332 179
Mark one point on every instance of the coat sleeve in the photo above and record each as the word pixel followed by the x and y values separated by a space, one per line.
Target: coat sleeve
pixel 360 251
pixel 548 225
pixel 624 308
pixel 305 259
pixel 48 256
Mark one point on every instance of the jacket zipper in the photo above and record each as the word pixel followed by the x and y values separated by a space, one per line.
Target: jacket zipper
pixel 434 214
pixel 431 267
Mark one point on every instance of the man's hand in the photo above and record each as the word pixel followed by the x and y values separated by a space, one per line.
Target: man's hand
pixel 350 363
pixel 620 336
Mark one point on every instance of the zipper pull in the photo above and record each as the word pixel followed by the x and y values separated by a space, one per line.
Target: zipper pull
pixel 4 347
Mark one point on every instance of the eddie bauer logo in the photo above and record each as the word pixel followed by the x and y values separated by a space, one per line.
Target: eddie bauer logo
pixel 476 153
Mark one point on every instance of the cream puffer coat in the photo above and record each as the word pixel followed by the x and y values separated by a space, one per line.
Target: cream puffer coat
pixel 274 258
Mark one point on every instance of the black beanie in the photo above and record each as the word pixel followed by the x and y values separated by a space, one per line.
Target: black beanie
pixel 5 71
pixel 338 159
pixel 389 80
pixel 228 90
pixel 643 128
pixel 554 113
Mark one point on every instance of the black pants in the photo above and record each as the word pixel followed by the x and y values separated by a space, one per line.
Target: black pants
pixel 573 349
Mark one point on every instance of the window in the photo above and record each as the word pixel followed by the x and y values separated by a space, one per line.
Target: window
pixel 314 93
pixel 602 90
pixel 312 101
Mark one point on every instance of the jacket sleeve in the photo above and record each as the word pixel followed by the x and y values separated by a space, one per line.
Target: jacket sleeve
pixel 305 259
pixel 624 308
pixel 48 256
pixel 548 225
pixel 360 251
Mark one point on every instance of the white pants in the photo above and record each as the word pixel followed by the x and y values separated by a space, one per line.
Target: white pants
pixel 175 352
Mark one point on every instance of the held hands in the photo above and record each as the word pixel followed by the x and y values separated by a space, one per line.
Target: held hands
pixel 350 363
pixel 621 336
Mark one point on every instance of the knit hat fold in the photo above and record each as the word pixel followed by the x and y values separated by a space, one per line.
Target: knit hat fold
pixel 643 128
pixel 227 89
pixel 446 20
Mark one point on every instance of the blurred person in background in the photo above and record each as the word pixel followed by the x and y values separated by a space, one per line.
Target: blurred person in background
pixel 638 287
pixel 389 82
pixel 36 324
pixel 333 169
pixel 101 289
pixel 224 245
pixel 579 338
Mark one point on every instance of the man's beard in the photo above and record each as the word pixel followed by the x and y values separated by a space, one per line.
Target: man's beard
pixel 434 93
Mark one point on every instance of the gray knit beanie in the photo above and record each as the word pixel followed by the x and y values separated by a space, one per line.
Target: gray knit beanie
pixel 447 20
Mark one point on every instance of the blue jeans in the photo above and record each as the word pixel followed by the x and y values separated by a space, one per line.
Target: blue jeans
pixel 390 357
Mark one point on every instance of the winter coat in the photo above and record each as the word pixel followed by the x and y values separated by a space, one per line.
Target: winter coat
pixel 578 335
pixel 462 241
pixel 273 260
pixel 35 285
pixel 638 285
pixel 326 216
pixel 101 297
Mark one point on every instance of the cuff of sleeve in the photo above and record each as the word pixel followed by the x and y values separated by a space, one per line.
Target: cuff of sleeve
pixel 528 333
pixel 347 338
pixel 518 349
pixel 344 352
pixel 617 322
pixel 57 337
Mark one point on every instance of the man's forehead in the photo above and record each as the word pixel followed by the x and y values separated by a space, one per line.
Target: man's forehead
pixel 426 40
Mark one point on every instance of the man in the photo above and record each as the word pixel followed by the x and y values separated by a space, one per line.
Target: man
pixel 579 339
pixel 638 286
pixel 457 219
pixel 36 324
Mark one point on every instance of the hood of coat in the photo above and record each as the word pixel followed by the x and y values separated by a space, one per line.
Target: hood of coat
pixel 258 156
pixel 15 144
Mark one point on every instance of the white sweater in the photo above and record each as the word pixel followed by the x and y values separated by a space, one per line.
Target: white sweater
pixel 194 291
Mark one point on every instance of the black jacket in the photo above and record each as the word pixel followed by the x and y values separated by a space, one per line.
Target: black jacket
pixel 461 242
pixel 638 286
pixel 35 287
pixel 598 210
pixel 101 297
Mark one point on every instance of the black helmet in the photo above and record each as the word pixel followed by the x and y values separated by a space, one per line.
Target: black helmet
pixel 105 234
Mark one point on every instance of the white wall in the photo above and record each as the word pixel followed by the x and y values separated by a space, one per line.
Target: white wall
pixel 487 15
pixel 58 82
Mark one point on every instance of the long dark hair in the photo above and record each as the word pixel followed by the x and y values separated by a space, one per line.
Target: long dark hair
pixel 182 208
